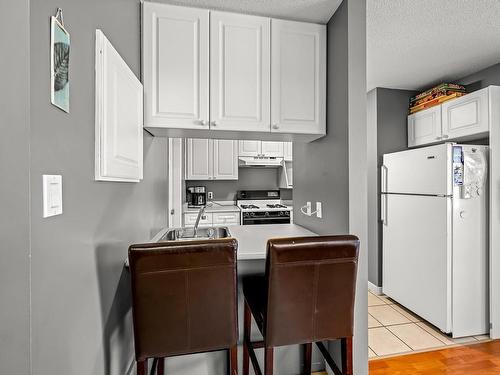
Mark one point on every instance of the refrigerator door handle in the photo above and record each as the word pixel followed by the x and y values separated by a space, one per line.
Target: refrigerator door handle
pixel 383 178
pixel 383 197
pixel 383 208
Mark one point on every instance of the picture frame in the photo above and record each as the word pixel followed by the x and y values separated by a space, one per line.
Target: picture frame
pixel 59 64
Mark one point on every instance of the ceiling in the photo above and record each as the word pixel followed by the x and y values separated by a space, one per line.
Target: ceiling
pixel 318 11
pixel 414 44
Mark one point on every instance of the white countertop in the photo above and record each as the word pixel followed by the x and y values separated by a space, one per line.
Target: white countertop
pixel 252 239
pixel 221 207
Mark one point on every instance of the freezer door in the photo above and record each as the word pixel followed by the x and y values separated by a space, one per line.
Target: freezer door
pixel 417 255
pixel 420 171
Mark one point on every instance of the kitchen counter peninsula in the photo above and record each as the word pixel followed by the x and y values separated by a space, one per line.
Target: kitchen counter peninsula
pixel 252 239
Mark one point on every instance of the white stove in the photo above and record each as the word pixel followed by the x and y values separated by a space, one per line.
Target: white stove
pixel 262 207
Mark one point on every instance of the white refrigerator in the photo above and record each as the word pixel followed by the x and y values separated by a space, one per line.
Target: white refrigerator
pixel 434 213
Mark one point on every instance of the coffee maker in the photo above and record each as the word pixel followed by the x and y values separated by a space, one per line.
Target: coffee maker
pixel 196 196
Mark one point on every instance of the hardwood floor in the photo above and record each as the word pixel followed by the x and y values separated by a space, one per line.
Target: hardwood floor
pixel 483 359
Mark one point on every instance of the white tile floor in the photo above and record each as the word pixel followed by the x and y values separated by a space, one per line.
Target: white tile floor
pixel 393 330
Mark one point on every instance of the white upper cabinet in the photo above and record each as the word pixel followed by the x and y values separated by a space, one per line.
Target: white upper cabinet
pixel 225 160
pixel 466 115
pixel 239 72
pixel 261 148
pixel 250 148
pixel 211 74
pixel 273 149
pixel 211 159
pixel 199 157
pixel 118 116
pixel 464 118
pixel 175 66
pixel 298 77
pixel 424 127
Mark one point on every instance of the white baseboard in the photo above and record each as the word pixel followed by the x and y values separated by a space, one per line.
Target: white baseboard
pixel 374 289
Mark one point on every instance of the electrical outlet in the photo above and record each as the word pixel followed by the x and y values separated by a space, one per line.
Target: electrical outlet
pixel 308 209
pixel 210 195
pixel 319 210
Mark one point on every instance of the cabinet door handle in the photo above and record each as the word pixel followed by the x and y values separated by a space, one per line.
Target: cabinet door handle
pixel 275 126
pixel 214 123
pixel 445 136
pixel 438 138
pixel 201 122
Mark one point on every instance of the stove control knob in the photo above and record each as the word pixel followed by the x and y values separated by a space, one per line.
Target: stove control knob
pixel 252 214
pixel 267 213
pixel 281 213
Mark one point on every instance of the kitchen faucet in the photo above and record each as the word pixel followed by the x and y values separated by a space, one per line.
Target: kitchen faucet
pixel 200 214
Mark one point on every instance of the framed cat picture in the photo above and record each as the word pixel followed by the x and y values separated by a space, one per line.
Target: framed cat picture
pixel 59 65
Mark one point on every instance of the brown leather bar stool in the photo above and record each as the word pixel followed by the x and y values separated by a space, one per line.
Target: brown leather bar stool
pixel 184 300
pixel 305 297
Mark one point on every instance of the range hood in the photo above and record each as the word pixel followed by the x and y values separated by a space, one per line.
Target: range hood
pixel 259 162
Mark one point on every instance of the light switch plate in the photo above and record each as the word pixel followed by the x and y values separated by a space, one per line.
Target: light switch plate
pixel 319 210
pixel 52 195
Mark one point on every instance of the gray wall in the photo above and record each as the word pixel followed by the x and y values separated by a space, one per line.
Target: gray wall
pixel 373 197
pixel 388 112
pixel 81 321
pixel 483 78
pixel 248 179
pixel 332 167
pixel 14 189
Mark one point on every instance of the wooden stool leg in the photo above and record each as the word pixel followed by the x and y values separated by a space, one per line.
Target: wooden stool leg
pixel 247 326
pixel 268 359
pixel 346 346
pixel 307 358
pixel 142 367
pixel 161 366
pixel 232 360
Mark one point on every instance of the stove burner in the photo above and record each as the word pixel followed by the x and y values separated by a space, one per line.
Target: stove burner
pixel 276 205
pixel 248 206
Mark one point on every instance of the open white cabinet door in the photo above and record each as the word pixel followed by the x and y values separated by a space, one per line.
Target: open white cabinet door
pixel 118 117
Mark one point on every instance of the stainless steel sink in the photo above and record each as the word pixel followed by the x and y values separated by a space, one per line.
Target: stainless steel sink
pixel 188 234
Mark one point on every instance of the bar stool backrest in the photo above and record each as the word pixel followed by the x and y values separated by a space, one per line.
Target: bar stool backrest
pixel 183 297
pixel 311 284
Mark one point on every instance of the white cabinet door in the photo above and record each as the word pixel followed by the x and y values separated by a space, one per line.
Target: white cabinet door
pixel 250 148
pixel 226 218
pixel 272 149
pixel 199 159
pixel 175 44
pixel 466 116
pixel 424 127
pixel 239 72
pixel 190 219
pixel 118 117
pixel 288 151
pixel 298 77
pixel 225 160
